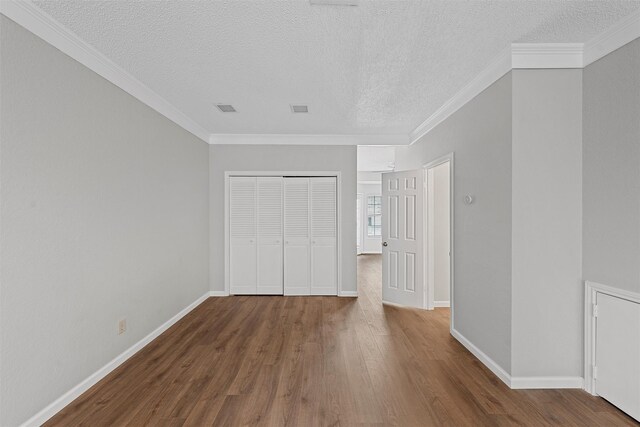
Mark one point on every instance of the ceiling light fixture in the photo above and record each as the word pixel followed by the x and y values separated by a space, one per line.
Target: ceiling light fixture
pixel 299 108
pixel 226 108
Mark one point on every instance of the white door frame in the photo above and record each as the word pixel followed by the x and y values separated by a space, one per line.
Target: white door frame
pixel 591 291
pixel 227 240
pixel 360 224
pixel 428 277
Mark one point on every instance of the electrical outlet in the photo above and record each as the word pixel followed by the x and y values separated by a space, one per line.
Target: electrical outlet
pixel 122 326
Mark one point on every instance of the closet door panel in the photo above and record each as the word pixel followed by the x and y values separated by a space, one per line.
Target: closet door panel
pixel 323 270
pixel 243 235
pixel 270 239
pixel 296 269
pixel 323 218
pixel 296 236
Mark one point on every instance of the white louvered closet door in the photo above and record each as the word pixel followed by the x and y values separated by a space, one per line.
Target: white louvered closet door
pixel 296 237
pixel 270 222
pixel 243 235
pixel 324 279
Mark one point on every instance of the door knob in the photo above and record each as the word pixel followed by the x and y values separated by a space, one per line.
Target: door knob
pixel 384 244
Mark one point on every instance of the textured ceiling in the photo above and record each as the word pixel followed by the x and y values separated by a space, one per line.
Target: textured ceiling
pixel 379 68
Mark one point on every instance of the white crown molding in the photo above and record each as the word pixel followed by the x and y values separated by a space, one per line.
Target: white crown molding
pixel 546 55
pixel 535 56
pixel 35 20
pixel 517 56
pixel 307 139
pixel 57 405
pixel 496 69
pixel 621 33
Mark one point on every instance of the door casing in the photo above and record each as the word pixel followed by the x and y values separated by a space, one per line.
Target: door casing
pixel 429 286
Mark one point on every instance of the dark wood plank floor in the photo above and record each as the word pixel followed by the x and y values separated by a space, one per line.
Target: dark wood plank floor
pixel 319 361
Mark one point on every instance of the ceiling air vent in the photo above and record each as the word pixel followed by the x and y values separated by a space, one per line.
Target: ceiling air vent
pixel 299 109
pixel 226 108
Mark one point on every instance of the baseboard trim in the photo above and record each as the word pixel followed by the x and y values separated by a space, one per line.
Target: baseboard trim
pixel 348 294
pixel 546 382
pixel 57 405
pixel 481 356
pixel 518 383
pixel 218 294
pixel 442 304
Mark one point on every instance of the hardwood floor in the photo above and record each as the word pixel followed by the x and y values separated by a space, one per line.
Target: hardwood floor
pixel 319 361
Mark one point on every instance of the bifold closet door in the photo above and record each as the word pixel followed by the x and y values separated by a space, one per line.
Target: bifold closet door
pixel 243 269
pixel 270 218
pixel 310 251
pixel 324 278
pixel 296 237
pixel 256 236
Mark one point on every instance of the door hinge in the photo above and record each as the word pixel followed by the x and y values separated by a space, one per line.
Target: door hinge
pixel 595 372
pixel 595 310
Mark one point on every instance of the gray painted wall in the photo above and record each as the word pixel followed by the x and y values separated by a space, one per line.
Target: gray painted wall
pixel 547 231
pixel 283 158
pixel 104 214
pixel 611 170
pixel 480 136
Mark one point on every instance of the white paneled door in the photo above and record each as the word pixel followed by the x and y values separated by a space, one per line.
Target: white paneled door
pixel 617 358
pixel 402 238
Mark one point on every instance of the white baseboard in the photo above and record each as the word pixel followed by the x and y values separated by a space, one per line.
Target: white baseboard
pixel 486 360
pixel 348 294
pixel 518 382
pixel 442 303
pixel 546 382
pixel 57 405
pixel 218 294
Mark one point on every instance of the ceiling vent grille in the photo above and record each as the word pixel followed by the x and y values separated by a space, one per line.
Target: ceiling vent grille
pixel 299 109
pixel 226 108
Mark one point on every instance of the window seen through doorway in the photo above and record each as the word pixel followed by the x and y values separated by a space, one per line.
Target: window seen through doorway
pixel 374 216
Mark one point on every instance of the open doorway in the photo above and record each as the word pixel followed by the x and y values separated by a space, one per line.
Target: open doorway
pixel 372 162
pixel 438 232
pixel 417 236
